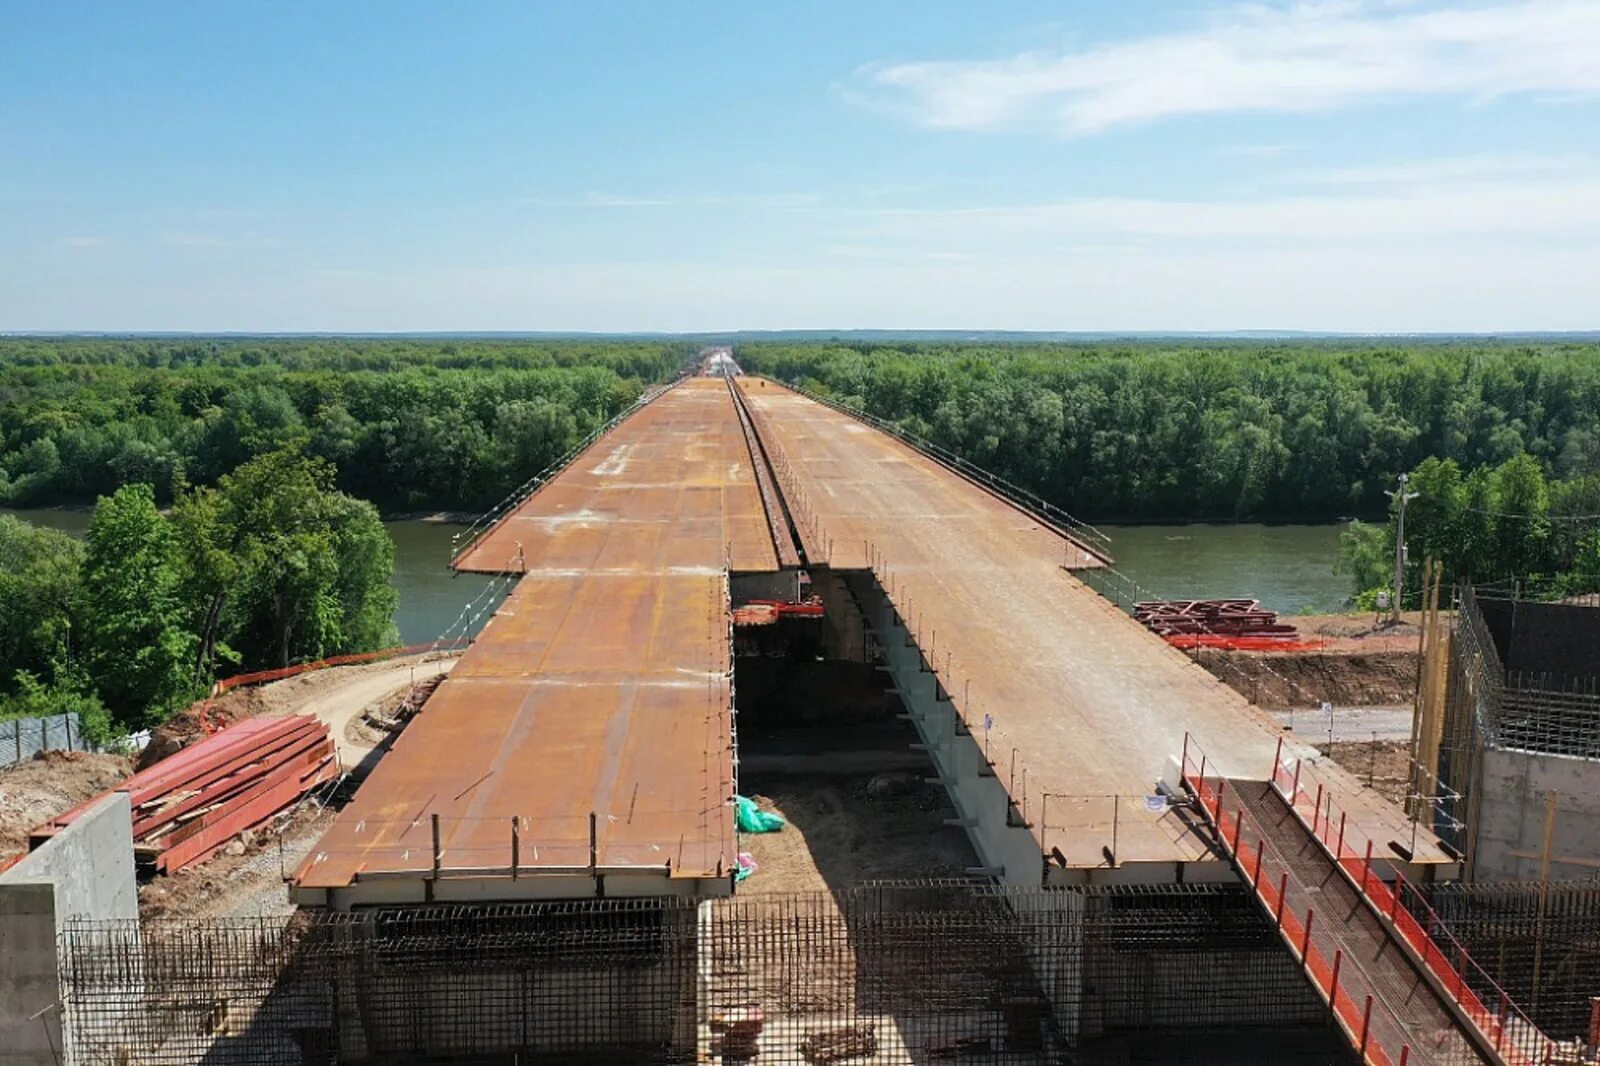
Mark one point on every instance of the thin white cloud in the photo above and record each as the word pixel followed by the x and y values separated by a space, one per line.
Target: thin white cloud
pixel 1553 209
pixel 1301 58
pixel 80 243
pixel 1455 169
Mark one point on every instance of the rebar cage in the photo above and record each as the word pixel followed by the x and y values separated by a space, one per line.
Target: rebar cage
pixel 881 972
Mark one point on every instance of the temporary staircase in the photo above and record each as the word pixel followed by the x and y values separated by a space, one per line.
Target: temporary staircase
pixel 1401 988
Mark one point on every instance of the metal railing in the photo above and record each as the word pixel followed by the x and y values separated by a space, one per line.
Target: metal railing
pixel 1413 920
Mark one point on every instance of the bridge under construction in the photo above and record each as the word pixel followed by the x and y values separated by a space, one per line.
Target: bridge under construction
pixel 586 745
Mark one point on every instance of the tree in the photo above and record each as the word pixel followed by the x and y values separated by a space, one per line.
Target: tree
pixel 134 644
pixel 289 569
pixel 38 583
pixel 1366 553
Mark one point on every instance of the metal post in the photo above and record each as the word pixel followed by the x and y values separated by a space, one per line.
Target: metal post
pixel 1333 990
pixel 1366 867
pixel 436 852
pixel 1305 942
pixel 1115 806
pixel 1294 789
pixel 1400 496
pixel 516 847
pixel 1340 849
pixel 1366 1025
pixel 594 841
pixel 1261 850
pixel 1316 813
pixel 1405 1054
pixel 1283 892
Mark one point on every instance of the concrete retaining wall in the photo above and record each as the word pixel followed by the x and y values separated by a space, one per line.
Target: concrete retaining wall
pixel 86 871
pixel 1513 786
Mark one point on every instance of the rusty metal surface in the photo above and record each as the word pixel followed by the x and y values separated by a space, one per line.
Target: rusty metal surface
pixel 777 520
pixel 1082 700
pixel 600 688
pixel 678 468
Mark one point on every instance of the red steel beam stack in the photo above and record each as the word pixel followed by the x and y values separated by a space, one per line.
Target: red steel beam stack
pixel 193 802
pixel 1225 618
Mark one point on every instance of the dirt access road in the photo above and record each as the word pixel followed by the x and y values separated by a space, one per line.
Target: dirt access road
pixel 345 697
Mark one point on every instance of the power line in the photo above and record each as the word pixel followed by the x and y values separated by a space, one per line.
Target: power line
pixel 1545 517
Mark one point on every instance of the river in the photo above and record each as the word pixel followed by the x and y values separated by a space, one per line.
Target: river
pixel 1289 568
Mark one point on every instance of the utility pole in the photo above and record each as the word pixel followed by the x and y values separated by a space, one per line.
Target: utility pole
pixel 1400 496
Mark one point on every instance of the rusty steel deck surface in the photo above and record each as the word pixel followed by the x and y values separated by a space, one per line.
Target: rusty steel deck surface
pixel 601 686
pixel 1084 703
pixel 678 469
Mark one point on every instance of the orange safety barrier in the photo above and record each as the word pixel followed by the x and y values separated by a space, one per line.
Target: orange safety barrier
pixel 261 677
pixel 1513 1034
pixel 1188 641
pixel 1515 1038
pixel 1353 1018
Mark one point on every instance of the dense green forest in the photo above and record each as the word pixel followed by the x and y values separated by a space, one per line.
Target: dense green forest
pixel 270 566
pixel 1172 431
pixel 1488 524
pixel 408 425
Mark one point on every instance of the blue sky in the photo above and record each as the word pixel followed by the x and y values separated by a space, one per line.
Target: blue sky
pixel 1366 165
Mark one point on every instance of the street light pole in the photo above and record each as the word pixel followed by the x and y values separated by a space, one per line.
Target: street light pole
pixel 1400 496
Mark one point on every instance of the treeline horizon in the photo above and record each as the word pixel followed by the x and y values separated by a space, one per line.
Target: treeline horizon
pixel 1138 431
pixel 407 425
pixel 1285 431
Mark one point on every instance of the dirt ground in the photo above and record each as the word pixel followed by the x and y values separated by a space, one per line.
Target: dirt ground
pixel 244 879
pixel 851 828
pixel 309 691
pixel 1364 665
pixel 1384 765
pixel 1360 632
pixel 38 789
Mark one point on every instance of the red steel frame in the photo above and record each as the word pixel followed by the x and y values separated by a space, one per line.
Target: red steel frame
pixel 1512 1032
pixel 1520 1043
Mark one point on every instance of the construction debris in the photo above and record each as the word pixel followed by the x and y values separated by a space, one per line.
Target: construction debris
pixel 768 612
pixel 737 1033
pixel 839 1045
pixel 191 804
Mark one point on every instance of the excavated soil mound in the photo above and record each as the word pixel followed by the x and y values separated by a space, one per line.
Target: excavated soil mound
pixel 1305 679
pixel 36 790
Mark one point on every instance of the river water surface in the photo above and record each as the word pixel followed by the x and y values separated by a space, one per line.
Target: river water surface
pixel 1288 568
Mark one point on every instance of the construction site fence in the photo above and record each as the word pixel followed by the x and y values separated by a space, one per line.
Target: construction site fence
pixel 892 973
pixel 1091 538
pixel 261 677
pixel 23 738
